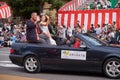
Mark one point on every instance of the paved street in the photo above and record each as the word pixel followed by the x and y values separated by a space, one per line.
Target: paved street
pixel 14 72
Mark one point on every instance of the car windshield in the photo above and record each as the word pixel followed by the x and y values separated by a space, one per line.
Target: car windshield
pixel 94 41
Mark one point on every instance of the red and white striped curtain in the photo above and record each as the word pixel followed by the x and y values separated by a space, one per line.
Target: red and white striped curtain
pixel 5 11
pixel 72 5
pixel 88 17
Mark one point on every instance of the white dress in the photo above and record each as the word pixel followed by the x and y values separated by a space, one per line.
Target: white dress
pixel 46 30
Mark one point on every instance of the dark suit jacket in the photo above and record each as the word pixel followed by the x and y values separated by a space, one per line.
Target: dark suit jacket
pixel 31 34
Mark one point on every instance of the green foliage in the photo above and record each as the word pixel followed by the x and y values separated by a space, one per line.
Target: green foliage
pixel 24 8
pixel 56 4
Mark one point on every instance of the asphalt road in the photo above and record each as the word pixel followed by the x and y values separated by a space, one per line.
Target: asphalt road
pixel 9 71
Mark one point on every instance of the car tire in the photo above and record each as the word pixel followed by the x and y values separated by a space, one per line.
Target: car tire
pixel 32 64
pixel 111 68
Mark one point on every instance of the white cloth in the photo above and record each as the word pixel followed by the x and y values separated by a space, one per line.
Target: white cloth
pixel 108 3
pixel 98 30
pixel 62 33
pixel 104 6
pixel 69 32
pixel 105 29
pixel 44 28
pixel 112 35
pixel 52 41
pixel 0 29
pixel 84 30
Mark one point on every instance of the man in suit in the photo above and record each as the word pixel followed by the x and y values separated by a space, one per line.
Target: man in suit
pixel 33 30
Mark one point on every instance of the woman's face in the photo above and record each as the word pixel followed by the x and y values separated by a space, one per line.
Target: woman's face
pixel 43 18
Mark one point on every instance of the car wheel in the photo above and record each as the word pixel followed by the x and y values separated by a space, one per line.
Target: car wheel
pixel 111 68
pixel 32 64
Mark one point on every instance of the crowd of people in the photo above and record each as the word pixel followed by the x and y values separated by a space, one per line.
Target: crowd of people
pixel 11 33
pixel 39 30
pixel 101 4
pixel 107 32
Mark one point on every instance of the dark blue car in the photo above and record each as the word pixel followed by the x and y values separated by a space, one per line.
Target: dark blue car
pixel 91 55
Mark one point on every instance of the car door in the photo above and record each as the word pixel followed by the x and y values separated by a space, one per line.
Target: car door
pixel 69 57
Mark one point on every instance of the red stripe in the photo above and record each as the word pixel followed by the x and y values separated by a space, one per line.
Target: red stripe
pixel 117 19
pixel 110 16
pixel 89 21
pixel 89 12
pixel 76 15
pixel 69 19
pixel 82 18
pixel 103 17
pixel 96 19
pixel 62 23
pixel 5 11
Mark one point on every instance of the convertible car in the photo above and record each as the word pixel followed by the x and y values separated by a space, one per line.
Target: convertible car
pixel 91 55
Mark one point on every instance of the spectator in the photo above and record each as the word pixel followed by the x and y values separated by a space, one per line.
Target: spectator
pixel 69 32
pixel 118 4
pixel 114 26
pixel 77 30
pixel 23 37
pixel 99 5
pixel 111 37
pixel 61 35
pixel 1 41
pixel 13 39
pixel 109 5
pixel 105 6
pixel 0 29
pixel 98 30
pixel 103 36
pixel 92 29
pixel 117 36
pixel 105 28
pixel 78 24
pixel 87 7
pixel 94 5
pixel 83 30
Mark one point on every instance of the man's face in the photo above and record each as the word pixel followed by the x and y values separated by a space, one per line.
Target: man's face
pixel 35 16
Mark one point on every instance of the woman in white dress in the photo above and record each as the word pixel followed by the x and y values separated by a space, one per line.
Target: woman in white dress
pixel 44 26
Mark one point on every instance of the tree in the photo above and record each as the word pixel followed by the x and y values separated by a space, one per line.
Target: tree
pixel 56 4
pixel 24 8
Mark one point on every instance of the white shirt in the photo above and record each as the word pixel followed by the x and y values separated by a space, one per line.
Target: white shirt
pixel 0 29
pixel 44 28
pixel 84 30
pixel 105 29
pixel 98 30
pixel 111 34
pixel 69 32
pixel 105 6
pixel 108 3
pixel 62 33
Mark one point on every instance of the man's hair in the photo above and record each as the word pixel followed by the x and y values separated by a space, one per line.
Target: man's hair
pixel 33 13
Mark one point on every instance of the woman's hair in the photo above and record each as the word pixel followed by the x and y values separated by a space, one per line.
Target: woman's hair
pixel 45 18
